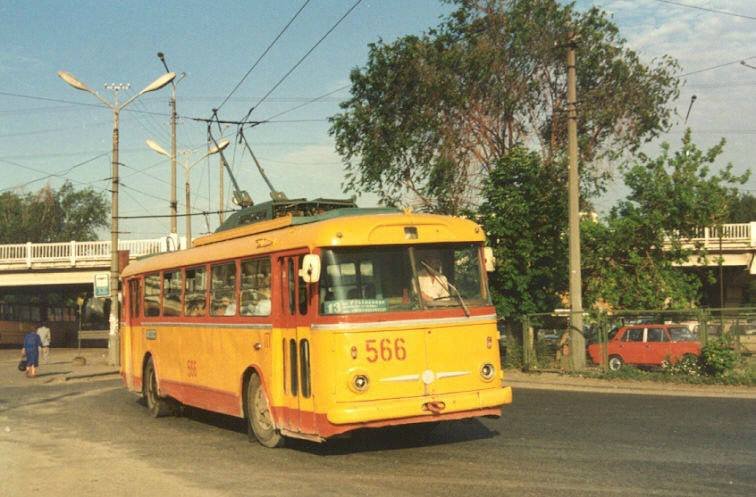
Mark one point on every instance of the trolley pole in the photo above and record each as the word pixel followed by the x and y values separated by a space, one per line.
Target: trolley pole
pixel 577 340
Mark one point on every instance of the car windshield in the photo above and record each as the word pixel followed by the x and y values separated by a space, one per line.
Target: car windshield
pixel 681 334
pixel 402 278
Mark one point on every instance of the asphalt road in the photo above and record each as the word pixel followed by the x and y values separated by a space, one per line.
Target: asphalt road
pixel 94 438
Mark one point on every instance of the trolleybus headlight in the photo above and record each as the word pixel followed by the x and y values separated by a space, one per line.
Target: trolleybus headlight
pixel 487 371
pixel 360 383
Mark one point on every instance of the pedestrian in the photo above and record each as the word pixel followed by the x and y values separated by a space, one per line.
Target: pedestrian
pixel 44 336
pixel 32 343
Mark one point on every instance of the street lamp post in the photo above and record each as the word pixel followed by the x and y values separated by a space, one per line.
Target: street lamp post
pixel 187 167
pixel 114 356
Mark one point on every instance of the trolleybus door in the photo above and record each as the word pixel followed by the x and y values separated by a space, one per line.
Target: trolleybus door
pixel 299 406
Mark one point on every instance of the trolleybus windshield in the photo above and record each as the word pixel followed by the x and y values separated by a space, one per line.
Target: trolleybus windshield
pixel 401 278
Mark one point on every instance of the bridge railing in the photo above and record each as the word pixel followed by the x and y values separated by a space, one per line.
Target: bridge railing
pixel 75 252
pixel 741 235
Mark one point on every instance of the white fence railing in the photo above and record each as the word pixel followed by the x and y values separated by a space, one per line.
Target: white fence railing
pixel 729 234
pixel 78 252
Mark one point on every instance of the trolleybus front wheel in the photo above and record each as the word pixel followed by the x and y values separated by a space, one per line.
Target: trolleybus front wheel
pixel 157 406
pixel 260 425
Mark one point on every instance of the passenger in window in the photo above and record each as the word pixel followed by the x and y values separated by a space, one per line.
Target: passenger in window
pixel 433 284
pixel 229 307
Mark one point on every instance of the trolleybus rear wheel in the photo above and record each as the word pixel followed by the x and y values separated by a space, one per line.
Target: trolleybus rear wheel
pixel 157 406
pixel 260 425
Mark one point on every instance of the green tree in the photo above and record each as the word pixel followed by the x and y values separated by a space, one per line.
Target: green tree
pixel 524 214
pixel 631 260
pixel 52 215
pixel 743 209
pixel 429 116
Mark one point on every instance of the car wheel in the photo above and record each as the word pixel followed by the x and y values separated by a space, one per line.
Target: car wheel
pixel 157 406
pixel 260 425
pixel 615 363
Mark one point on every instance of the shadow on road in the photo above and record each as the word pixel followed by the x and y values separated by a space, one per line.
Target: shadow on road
pixel 397 438
pixel 365 440
pixel 46 400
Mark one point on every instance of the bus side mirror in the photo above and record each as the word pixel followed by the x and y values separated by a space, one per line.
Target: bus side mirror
pixel 310 271
pixel 489 260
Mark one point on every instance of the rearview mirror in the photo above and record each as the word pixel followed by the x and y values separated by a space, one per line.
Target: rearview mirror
pixel 489 260
pixel 310 271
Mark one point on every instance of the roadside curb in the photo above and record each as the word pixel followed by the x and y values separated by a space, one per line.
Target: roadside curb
pixel 542 381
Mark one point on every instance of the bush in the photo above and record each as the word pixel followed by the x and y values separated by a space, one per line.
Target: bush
pixel 718 357
pixel 513 356
pixel 689 365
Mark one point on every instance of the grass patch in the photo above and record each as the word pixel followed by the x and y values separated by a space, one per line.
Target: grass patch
pixel 744 376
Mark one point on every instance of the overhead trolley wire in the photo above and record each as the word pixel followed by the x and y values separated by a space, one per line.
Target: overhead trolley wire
pixel 313 100
pixel 715 11
pixel 716 67
pixel 307 54
pixel 263 54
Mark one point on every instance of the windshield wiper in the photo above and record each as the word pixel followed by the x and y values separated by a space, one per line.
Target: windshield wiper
pixel 445 282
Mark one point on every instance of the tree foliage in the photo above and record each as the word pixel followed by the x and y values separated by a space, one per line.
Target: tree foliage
pixel 631 260
pixel 743 209
pixel 524 213
pixel 52 215
pixel 429 116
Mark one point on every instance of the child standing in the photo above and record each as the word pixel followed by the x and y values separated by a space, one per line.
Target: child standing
pixel 32 343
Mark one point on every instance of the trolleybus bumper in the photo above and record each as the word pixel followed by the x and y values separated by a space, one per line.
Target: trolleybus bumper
pixel 432 406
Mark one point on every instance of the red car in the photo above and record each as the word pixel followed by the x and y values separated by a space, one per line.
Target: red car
pixel 647 345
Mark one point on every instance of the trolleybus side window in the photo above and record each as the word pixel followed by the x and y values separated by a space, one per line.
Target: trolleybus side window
pixel 303 287
pixel 152 295
pixel 195 291
pixel 292 286
pixel 134 299
pixel 223 290
pixel 255 287
pixel 172 293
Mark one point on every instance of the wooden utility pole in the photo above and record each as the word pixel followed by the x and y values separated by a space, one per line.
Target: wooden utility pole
pixel 577 340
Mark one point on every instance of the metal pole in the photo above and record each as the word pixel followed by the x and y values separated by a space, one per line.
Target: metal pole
pixel 188 208
pixel 577 340
pixel 114 358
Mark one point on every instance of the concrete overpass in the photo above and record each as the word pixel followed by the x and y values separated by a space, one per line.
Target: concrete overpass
pixel 735 244
pixel 70 263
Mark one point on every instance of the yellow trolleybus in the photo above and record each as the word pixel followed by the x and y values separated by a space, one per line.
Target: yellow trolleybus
pixel 311 319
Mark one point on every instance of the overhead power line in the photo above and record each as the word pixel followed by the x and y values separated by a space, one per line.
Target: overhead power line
pixel 705 9
pixel 280 33
pixel 72 102
pixel 61 174
pixel 715 67
pixel 307 54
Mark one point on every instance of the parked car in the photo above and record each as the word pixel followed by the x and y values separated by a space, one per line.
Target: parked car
pixel 647 345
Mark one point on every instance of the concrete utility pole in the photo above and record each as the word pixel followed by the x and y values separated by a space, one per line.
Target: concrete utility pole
pixel 114 357
pixel 221 201
pixel 174 204
pixel 152 144
pixel 577 340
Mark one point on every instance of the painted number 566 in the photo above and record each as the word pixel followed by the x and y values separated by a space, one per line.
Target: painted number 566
pixel 385 349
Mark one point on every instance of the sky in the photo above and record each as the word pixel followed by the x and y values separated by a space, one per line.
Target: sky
pixel 48 128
